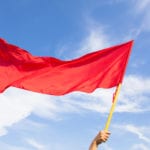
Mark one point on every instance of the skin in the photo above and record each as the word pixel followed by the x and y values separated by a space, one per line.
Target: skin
pixel 101 137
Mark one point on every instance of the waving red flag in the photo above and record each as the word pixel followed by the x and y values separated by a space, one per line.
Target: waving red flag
pixel 101 69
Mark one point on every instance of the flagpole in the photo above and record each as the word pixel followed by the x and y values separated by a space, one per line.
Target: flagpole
pixel 112 107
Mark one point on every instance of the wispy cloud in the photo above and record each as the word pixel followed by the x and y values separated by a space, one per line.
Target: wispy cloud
pixel 141 10
pixel 144 8
pixel 137 130
pixel 95 39
pixel 141 138
pixel 134 97
pixel 134 94
pixel 35 144
pixel 17 104
pixel 141 6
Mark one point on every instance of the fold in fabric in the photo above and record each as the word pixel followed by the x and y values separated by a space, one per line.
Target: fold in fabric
pixel 101 69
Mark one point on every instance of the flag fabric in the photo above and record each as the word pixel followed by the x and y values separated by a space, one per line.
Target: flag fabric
pixel 101 69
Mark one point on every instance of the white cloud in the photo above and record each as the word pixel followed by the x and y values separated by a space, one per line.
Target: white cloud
pixel 134 94
pixel 35 144
pixel 95 40
pixel 141 132
pixel 17 104
pixel 141 138
pixel 141 6
pixel 3 131
pixel 142 11
pixel 133 97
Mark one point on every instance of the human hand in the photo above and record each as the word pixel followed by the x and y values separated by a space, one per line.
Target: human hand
pixel 102 136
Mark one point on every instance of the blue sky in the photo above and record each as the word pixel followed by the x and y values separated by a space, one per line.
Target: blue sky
pixel 68 29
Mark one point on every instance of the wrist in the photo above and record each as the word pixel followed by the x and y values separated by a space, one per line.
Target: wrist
pixel 93 145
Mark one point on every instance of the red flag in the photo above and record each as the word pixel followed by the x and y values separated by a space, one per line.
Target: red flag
pixel 101 69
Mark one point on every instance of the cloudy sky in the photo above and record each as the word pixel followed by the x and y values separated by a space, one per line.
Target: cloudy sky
pixel 68 29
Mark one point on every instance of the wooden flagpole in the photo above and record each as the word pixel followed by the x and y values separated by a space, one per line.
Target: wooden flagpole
pixel 112 107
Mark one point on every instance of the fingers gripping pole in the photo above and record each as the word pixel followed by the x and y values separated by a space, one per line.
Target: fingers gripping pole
pixel 112 107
